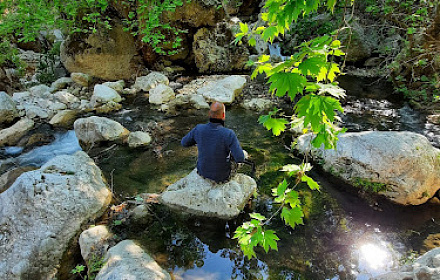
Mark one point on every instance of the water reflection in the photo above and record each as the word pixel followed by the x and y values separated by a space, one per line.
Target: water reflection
pixel 374 256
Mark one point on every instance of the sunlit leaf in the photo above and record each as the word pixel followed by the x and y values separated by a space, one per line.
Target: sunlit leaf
pixel 276 125
pixel 292 217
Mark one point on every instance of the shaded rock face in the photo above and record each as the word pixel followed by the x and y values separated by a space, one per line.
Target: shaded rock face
pixel 196 195
pixel 403 162
pixel 425 267
pixel 11 135
pixel 128 261
pixel 214 52
pixel 43 210
pixel 99 129
pixel 358 45
pixel 197 13
pixel 8 110
pixel 110 54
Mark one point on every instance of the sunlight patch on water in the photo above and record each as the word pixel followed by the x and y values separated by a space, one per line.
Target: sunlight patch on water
pixel 374 255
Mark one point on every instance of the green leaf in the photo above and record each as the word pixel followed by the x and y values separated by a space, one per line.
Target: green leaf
pixel 331 4
pixel 280 189
pixel 269 33
pixel 270 240
pixel 252 42
pixel 310 182
pixel 276 125
pixel 244 27
pixel 291 83
pixel 313 65
pixel 292 198
pixel 292 217
pixel 257 216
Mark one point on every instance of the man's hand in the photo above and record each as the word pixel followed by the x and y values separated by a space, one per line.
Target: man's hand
pixel 246 154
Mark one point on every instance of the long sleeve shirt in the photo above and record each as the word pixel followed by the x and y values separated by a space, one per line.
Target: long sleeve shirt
pixel 215 144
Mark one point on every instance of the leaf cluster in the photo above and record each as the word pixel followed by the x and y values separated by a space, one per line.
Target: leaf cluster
pixel 254 233
pixel 310 76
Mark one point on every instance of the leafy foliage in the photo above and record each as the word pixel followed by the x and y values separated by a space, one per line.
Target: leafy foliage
pixel 95 264
pixel 22 20
pixel 414 66
pixel 147 23
pixel 308 77
pixel 254 233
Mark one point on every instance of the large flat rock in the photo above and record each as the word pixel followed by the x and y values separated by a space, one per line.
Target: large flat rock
pixel 196 195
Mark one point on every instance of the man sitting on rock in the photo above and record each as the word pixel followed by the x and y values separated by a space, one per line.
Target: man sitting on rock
pixel 215 144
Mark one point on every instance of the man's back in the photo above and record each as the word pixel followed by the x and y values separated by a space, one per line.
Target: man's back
pixel 214 144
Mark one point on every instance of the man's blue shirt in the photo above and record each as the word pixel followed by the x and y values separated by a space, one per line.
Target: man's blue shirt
pixel 215 143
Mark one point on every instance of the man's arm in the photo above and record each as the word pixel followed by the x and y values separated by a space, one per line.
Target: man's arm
pixel 236 150
pixel 188 140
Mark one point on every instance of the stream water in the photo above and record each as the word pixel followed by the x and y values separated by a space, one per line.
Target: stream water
pixel 343 237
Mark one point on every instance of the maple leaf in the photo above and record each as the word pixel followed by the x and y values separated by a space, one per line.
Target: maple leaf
pixel 292 217
pixel 293 83
pixel 276 125
pixel 270 240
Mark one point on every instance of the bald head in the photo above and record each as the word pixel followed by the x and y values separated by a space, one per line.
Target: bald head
pixel 217 111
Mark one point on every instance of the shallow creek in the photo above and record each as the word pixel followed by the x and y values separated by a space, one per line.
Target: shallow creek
pixel 344 236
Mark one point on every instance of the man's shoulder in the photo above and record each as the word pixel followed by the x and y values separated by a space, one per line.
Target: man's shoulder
pixel 228 131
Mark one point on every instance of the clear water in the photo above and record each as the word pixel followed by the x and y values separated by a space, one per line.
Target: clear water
pixel 344 236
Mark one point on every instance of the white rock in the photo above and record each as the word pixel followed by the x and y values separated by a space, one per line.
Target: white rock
pixel 97 129
pixel 21 96
pixel 64 118
pixel 43 210
pixel 258 104
pixel 66 97
pixel 224 90
pixel 40 90
pixel 8 110
pixel 118 85
pixel 150 81
pixel 61 83
pixel 161 94
pixel 199 102
pixel 10 136
pixel 196 195
pixel 94 242
pixel 140 214
pixel 138 139
pixel 103 94
pixel 405 162
pixel 34 112
pixel 128 261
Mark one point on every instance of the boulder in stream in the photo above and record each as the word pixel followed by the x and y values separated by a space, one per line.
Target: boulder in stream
pixel 127 260
pixel 43 210
pixel 196 195
pixel 150 81
pixel 99 129
pixel 11 135
pixel 95 242
pixel 224 90
pixel 402 166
